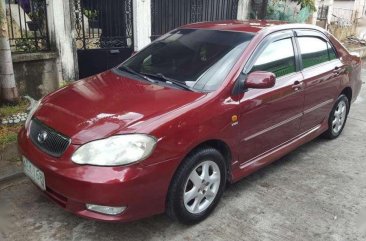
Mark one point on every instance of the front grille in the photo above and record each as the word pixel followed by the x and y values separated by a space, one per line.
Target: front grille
pixel 47 139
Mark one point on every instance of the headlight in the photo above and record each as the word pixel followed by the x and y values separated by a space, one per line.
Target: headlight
pixel 31 113
pixel 115 150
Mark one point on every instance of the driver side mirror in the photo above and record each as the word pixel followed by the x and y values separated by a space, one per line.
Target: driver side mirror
pixel 260 80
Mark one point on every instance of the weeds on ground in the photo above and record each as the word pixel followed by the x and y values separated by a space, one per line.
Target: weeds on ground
pixel 8 133
pixel 8 110
pixel 64 83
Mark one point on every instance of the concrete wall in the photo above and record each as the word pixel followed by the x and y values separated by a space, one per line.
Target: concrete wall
pixel 340 32
pixel 36 74
pixel 358 6
pixel 361 51
pixel 344 4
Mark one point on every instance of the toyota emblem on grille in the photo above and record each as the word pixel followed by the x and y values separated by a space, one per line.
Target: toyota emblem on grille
pixel 42 136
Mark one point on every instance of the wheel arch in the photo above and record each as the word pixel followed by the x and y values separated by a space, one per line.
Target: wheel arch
pixel 223 148
pixel 347 91
pixel 217 144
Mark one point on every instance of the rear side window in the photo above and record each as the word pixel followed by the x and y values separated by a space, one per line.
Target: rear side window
pixel 278 57
pixel 332 54
pixel 315 51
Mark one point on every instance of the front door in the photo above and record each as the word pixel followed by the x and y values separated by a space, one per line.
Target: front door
pixel 270 117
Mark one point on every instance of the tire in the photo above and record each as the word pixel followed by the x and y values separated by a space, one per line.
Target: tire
pixel 197 186
pixel 337 117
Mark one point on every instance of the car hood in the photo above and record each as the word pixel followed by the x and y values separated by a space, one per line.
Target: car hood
pixel 107 104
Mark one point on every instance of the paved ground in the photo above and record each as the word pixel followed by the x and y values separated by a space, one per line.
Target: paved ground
pixel 318 192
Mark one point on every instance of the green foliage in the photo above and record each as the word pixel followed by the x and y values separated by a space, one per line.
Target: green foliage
pixel 280 10
pixel 8 110
pixel 64 83
pixel 25 45
pixel 8 133
pixel 306 4
pixel 90 14
pixel 7 136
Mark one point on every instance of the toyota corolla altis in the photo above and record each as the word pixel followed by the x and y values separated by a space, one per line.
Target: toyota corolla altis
pixel 203 105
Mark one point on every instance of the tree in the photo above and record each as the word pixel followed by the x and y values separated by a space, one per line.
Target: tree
pixel 306 3
pixel 8 88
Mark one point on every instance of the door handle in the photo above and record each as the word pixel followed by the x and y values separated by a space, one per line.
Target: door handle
pixel 337 71
pixel 298 85
pixel 114 51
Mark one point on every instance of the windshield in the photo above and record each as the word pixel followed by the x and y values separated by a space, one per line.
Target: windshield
pixel 198 58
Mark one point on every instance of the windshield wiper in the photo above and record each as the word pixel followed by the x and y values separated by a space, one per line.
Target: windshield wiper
pixel 131 71
pixel 162 77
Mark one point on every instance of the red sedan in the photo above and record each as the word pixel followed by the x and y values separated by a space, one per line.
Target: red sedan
pixel 204 105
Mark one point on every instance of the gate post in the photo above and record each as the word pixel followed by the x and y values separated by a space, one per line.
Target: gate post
pixel 61 36
pixel 141 23
pixel 243 9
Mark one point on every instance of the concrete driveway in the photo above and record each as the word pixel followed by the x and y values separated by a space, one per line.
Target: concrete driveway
pixel 317 192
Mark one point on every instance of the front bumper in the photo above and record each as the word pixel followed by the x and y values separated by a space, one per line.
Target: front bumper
pixel 142 189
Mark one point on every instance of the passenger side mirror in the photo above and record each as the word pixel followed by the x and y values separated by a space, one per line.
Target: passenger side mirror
pixel 260 80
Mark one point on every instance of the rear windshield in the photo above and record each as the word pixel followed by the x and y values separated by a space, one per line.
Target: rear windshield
pixel 198 58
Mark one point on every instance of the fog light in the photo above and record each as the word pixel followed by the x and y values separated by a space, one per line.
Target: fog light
pixel 105 209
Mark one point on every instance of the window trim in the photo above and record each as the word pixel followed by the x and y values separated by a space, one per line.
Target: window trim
pixel 276 36
pixel 269 39
pixel 238 86
pixel 314 34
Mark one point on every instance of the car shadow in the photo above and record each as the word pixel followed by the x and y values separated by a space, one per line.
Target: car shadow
pixel 161 223
pixel 41 214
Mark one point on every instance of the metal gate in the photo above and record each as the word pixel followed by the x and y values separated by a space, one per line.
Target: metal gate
pixel 169 14
pixel 258 9
pixel 104 34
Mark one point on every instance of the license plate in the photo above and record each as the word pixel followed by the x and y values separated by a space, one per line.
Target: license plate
pixel 36 175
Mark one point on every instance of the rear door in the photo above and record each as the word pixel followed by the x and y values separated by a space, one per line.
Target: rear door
pixel 270 117
pixel 322 71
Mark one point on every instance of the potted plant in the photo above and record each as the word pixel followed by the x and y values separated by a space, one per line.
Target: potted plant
pixel 92 16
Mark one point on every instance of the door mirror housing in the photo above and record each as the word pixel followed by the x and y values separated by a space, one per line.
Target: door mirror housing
pixel 260 80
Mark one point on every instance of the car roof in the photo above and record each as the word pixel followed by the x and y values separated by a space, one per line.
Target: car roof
pixel 252 26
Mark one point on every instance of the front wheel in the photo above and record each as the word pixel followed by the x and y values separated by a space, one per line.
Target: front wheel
pixel 337 118
pixel 197 186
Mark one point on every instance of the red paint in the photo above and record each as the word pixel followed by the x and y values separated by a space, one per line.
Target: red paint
pixel 108 104
pixel 260 80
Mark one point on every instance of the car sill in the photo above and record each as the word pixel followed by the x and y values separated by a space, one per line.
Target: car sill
pixel 279 147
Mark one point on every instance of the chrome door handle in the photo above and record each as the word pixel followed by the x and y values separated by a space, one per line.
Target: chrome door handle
pixel 114 51
pixel 298 85
pixel 337 71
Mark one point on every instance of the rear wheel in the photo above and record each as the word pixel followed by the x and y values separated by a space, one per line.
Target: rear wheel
pixel 197 186
pixel 337 118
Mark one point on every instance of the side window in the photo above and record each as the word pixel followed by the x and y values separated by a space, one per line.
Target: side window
pixel 278 57
pixel 332 54
pixel 314 51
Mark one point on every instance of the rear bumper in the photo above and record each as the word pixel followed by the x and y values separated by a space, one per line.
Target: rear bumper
pixel 142 189
pixel 356 89
pixel 356 83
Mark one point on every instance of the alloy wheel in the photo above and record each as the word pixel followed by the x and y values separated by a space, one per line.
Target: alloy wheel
pixel 202 187
pixel 339 117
